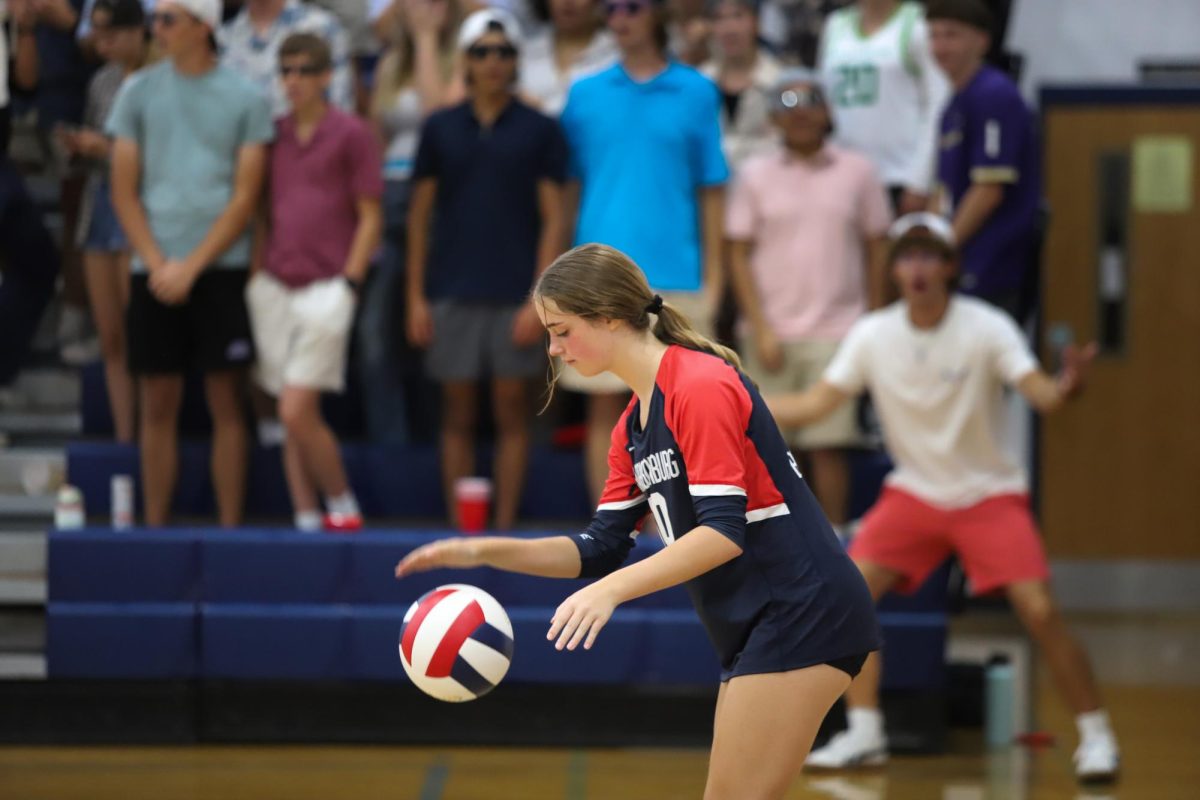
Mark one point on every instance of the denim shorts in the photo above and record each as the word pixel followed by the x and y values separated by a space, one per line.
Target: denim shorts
pixel 104 233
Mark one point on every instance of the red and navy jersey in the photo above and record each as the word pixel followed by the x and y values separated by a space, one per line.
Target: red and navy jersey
pixel 711 454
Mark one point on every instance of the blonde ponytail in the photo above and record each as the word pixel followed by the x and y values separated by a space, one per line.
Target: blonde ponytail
pixel 672 327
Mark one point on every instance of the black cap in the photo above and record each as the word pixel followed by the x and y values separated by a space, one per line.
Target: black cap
pixel 123 13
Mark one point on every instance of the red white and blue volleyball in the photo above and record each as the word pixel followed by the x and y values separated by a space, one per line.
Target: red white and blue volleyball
pixel 456 643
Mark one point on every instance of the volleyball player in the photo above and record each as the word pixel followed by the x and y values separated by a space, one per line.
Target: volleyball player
pixel 790 617
pixel 936 365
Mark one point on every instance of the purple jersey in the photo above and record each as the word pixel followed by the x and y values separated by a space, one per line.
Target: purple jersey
pixel 988 135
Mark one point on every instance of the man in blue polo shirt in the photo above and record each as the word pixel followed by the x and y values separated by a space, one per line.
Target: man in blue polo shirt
pixel 645 142
pixel 488 174
pixel 988 163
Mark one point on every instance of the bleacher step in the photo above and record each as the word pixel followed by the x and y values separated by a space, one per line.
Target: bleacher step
pixel 22 591
pixel 22 552
pixel 40 423
pixel 44 389
pixel 22 666
pixel 25 506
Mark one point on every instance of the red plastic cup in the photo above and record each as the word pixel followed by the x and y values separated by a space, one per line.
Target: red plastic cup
pixel 473 497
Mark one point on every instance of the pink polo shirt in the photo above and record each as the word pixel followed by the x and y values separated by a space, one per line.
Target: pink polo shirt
pixel 315 188
pixel 807 220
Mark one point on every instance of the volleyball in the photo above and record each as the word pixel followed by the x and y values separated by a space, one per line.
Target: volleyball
pixel 456 643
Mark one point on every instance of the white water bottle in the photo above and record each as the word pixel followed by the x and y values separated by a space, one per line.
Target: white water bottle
pixel 122 502
pixel 68 508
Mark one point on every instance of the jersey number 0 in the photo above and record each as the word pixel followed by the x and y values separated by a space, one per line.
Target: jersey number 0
pixel 658 505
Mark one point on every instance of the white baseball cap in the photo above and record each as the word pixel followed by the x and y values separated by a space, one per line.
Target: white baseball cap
pixel 207 11
pixel 478 24
pixel 936 227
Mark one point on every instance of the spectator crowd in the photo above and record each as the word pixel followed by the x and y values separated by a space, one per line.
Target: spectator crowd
pixel 304 192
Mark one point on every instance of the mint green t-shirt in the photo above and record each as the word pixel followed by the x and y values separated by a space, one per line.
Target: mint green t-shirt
pixel 189 131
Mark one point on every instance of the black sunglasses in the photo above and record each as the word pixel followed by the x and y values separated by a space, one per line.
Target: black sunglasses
pixel 308 70
pixel 630 7
pixel 165 18
pixel 478 52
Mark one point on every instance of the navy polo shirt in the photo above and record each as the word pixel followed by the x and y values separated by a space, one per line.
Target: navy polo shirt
pixel 486 221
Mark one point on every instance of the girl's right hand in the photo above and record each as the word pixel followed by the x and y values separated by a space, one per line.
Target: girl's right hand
pixel 459 552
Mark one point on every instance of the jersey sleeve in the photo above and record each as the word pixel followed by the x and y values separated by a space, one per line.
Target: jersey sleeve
pixel 609 537
pixel 995 140
pixel 1012 359
pixel 848 370
pixel 709 420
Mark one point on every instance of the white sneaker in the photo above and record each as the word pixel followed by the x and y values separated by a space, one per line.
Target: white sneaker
pixel 850 750
pixel 1097 760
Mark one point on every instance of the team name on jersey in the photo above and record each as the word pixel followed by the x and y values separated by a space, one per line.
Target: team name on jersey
pixel 656 468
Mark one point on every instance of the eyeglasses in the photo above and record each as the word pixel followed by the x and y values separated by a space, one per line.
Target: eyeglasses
pixel 478 52
pixel 631 8
pixel 790 99
pixel 307 70
pixel 167 19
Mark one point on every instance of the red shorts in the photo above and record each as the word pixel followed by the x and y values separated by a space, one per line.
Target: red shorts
pixel 996 540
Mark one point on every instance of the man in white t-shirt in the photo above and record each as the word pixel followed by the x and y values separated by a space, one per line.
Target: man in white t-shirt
pixel 936 364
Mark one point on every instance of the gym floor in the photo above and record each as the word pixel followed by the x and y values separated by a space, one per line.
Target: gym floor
pixel 1145 664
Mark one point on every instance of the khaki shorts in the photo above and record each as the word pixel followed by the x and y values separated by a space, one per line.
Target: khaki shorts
pixel 692 306
pixel 301 335
pixel 804 363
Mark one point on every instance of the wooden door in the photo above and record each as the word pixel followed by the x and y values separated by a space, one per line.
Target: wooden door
pixel 1120 468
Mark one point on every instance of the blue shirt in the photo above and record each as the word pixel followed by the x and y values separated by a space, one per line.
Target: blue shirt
pixel 988 135
pixel 486 219
pixel 642 151
pixel 189 130
pixel 711 454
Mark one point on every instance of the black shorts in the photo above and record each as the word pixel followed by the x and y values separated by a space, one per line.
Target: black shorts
pixel 209 332
pixel 851 665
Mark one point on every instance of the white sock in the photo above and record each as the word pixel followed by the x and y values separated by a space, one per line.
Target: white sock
pixel 1093 724
pixel 866 721
pixel 309 520
pixel 344 503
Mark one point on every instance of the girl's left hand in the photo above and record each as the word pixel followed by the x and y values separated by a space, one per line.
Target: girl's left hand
pixel 582 614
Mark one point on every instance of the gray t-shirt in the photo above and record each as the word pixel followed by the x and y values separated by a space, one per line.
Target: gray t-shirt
pixel 189 131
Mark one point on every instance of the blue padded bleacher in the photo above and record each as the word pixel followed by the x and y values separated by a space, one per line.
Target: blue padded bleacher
pixel 389 480
pixel 122 640
pixel 277 604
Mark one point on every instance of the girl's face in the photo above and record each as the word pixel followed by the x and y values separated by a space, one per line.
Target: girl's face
pixel 573 15
pixel 735 28
pixel 585 344
pixel 115 44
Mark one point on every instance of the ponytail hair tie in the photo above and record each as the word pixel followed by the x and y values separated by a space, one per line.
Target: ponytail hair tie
pixel 655 306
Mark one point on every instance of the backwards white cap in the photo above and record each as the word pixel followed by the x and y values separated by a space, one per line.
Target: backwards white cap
pixel 477 25
pixel 938 226
pixel 207 11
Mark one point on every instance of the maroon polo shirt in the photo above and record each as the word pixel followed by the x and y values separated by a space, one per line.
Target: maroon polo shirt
pixel 315 188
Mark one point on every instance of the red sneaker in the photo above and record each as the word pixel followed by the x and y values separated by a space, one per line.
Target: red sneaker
pixel 343 523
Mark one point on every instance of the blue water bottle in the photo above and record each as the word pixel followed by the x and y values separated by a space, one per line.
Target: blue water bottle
pixel 999 695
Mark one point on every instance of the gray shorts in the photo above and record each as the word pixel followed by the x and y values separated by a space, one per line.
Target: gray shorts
pixel 471 342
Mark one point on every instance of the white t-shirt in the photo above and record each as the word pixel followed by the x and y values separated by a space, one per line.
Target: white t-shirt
pixel 886 92
pixel 939 396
